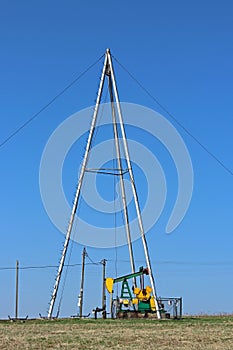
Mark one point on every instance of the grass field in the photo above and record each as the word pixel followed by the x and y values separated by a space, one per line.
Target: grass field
pixel 207 333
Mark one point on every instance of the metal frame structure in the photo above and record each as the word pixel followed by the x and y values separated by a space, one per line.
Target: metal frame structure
pixel 171 307
pixel 117 118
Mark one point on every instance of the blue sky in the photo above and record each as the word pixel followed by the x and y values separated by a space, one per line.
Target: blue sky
pixel 182 53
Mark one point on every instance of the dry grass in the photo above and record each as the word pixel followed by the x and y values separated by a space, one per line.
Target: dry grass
pixel 199 333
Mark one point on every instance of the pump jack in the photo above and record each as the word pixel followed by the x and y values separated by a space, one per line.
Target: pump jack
pixel 128 305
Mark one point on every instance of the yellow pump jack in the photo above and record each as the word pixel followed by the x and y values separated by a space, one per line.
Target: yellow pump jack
pixel 143 300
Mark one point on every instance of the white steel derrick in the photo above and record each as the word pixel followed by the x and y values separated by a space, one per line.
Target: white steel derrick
pixel 116 112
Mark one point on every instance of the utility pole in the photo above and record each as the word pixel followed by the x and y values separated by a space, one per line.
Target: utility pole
pixel 17 289
pixel 104 290
pixel 80 298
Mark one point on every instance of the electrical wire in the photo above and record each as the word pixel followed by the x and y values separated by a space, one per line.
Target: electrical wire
pixel 35 115
pixel 173 262
pixel 162 262
pixel 92 262
pixel 41 267
pixel 211 154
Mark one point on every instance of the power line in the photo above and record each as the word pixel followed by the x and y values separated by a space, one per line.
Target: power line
pixel 225 167
pixel 44 266
pixel 35 115
pixel 188 263
pixel 162 262
pixel 92 262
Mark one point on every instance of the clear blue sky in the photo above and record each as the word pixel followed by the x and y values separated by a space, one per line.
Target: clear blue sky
pixel 182 52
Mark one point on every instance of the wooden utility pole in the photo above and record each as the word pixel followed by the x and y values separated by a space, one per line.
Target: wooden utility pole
pixel 104 290
pixel 17 289
pixel 80 302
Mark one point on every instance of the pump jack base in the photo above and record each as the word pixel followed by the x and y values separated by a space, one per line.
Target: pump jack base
pixel 136 314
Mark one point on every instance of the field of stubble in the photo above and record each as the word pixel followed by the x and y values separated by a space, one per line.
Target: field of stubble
pixel 197 333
